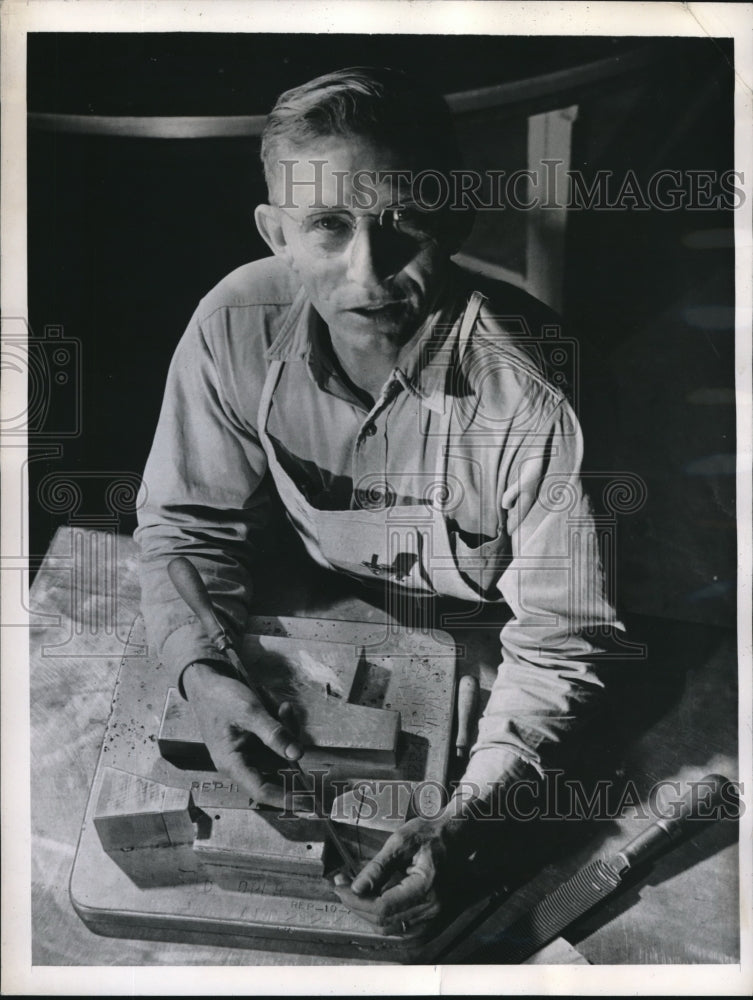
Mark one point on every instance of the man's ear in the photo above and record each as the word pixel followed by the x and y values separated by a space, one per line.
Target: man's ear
pixel 269 224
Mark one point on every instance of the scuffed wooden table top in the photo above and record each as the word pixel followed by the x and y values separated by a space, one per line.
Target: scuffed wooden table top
pixel 83 602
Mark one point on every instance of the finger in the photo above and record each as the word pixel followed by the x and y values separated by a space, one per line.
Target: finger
pixel 372 910
pixel 417 914
pixel 370 920
pixel 414 889
pixel 409 896
pixel 286 715
pixel 412 921
pixel 272 733
pixel 362 908
pixel 397 850
pixel 366 908
pixel 422 866
pixel 414 885
pixel 267 793
pixel 361 904
pixel 411 892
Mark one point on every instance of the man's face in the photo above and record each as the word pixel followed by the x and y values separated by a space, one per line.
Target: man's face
pixel 366 281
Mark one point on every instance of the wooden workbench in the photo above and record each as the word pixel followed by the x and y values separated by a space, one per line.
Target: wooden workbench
pixel 676 719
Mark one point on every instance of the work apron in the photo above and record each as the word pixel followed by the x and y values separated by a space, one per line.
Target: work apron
pixel 407 545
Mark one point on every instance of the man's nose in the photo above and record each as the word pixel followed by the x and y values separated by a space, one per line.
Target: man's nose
pixel 366 257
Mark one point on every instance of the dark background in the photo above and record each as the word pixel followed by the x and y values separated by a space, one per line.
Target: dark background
pixel 126 234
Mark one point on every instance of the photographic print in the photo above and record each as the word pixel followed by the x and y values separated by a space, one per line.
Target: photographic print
pixel 376 497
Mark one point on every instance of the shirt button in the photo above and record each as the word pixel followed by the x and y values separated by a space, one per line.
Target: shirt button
pixel 369 430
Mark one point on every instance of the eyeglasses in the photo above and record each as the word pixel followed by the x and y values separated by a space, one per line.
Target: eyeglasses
pixel 331 231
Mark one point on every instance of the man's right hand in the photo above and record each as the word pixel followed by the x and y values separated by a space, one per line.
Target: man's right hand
pixel 228 713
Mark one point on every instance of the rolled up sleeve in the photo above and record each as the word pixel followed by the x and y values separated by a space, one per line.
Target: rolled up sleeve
pixel 204 496
pixel 562 620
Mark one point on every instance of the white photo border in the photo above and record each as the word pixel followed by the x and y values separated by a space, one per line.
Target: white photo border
pixel 357 16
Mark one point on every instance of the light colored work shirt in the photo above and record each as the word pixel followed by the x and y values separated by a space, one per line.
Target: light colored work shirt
pixel 521 531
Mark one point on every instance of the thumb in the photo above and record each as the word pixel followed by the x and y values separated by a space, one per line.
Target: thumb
pixel 271 731
pixel 287 716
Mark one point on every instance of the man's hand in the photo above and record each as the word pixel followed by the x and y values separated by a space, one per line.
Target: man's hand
pixel 397 890
pixel 230 714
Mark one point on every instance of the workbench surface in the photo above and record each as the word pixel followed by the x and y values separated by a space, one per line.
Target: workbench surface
pixel 680 722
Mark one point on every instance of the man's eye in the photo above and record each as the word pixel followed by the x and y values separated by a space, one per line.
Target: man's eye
pixel 407 214
pixel 329 224
pixel 416 216
pixel 414 221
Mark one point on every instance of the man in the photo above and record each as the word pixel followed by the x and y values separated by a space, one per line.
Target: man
pixel 359 380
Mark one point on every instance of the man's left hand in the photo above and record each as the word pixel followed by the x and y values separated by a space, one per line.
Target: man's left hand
pixel 397 890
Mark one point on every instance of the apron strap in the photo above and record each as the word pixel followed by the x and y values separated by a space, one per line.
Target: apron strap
pixel 464 335
pixel 270 384
pixel 468 322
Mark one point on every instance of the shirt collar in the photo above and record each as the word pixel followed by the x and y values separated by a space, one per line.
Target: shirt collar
pixel 422 372
pixel 292 337
pixel 425 369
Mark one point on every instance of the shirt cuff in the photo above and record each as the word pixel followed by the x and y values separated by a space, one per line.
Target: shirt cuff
pixel 491 767
pixel 221 666
pixel 186 644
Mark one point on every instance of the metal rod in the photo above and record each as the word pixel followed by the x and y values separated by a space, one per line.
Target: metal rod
pixel 342 850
